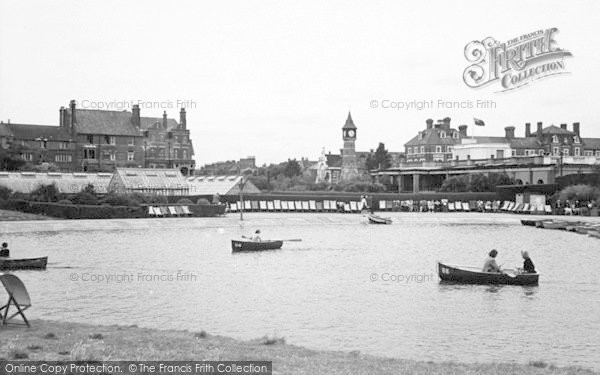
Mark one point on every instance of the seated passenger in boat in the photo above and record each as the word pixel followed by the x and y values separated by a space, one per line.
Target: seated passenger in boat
pixel 4 252
pixel 255 237
pixel 528 266
pixel 490 264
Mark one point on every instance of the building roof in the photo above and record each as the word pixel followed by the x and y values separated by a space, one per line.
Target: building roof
pixel 31 132
pixel 222 185
pixel 334 161
pixel 349 123
pixel 149 179
pixel 70 183
pixel 553 129
pixel 591 143
pixel 149 122
pixel 89 121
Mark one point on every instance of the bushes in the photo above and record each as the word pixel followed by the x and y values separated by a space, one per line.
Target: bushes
pixel 185 201
pixel 45 193
pixel 69 211
pixel 5 192
pixel 85 198
pixel 580 193
pixel 64 201
pixel 203 202
pixel 114 199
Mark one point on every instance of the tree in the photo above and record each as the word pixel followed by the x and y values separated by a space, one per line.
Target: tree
pixel 455 184
pixel 11 159
pixel 380 159
pixel 580 192
pixel 292 168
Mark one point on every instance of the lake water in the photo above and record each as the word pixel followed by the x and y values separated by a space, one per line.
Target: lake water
pixel 346 286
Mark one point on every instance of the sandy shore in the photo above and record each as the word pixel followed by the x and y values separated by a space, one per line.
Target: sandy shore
pixel 51 340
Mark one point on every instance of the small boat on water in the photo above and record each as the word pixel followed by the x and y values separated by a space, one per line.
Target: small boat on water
pixel 529 222
pixel 594 233
pixel 551 224
pixel 12 264
pixel 240 246
pixel 473 275
pixel 374 219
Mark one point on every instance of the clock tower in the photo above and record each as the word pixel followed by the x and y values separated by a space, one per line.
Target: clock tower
pixel 349 165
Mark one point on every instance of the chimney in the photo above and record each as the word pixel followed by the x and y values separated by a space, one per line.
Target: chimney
pixel 539 130
pixel 463 130
pixel 528 129
pixel 61 116
pixel 182 119
pixel 563 126
pixel 135 115
pixel 576 129
pixel 72 105
pixel 510 132
pixel 429 123
pixel 165 119
pixel 446 121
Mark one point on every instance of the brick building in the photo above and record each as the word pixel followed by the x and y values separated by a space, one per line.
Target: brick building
pixel 98 140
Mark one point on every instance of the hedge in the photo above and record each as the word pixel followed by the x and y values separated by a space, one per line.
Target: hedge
pixel 72 211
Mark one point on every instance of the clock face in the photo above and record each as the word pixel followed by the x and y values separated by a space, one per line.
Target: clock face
pixel 350 133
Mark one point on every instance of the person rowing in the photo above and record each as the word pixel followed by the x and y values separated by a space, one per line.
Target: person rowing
pixel 490 264
pixel 256 236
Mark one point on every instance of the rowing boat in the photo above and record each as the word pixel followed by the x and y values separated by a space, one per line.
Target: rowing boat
pixel 551 224
pixel 472 275
pixel 239 246
pixel 374 219
pixel 11 264
pixel 529 222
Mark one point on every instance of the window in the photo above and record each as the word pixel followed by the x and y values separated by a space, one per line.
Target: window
pixel 554 139
pixel 442 134
pixel 422 149
pixel 110 140
pixel 113 156
pixel 598 153
pixel 526 152
pixel 28 157
pixel 420 135
pixel 577 151
pixel 554 150
pixel 449 149
pixel 63 145
pixel 455 135
pixel 89 153
pixel 566 152
pixel 541 152
pixel 131 141
pixel 576 139
pixel 438 149
pixel 63 158
pixel 409 150
pixel 513 152
pixel 588 153
pixel 130 156
pixel 90 139
pixel 184 154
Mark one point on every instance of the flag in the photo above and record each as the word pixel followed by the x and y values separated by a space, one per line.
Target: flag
pixel 478 122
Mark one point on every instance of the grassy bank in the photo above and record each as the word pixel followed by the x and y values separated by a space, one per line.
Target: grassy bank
pixel 50 340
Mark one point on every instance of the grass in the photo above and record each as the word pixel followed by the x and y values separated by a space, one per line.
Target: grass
pixel 80 342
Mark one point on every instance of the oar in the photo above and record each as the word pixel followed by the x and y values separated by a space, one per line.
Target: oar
pixel 292 240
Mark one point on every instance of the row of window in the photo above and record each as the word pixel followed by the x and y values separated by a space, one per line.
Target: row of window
pixel 112 140
pixel 555 139
pixel 442 134
pixel 90 153
pixel 421 150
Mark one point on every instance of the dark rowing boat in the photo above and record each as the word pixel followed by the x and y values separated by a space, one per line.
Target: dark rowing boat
pixel 529 222
pixel 12 264
pixel 238 246
pixel 374 219
pixel 472 275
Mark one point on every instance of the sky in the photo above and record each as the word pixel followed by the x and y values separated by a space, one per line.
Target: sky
pixel 276 79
